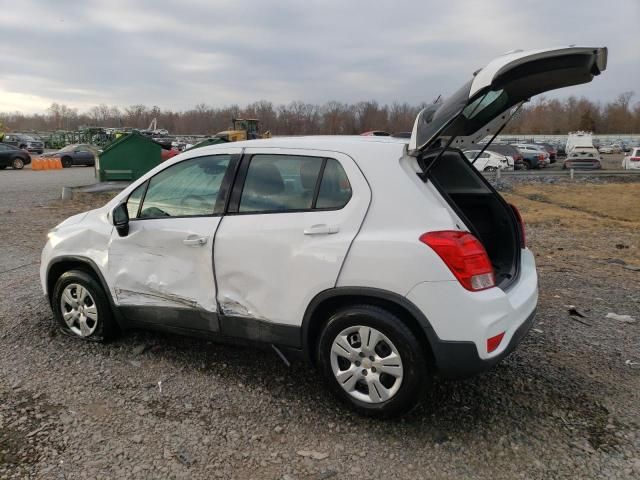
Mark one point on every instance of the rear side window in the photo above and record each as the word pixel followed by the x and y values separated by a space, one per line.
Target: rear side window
pixel 335 190
pixel 186 189
pixel 285 183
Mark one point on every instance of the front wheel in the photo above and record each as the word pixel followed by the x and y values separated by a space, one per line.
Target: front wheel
pixel 17 164
pixel 81 308
pixel 372 361
pixel 67 162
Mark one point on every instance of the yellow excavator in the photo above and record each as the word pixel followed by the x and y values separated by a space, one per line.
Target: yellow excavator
pixel 243 129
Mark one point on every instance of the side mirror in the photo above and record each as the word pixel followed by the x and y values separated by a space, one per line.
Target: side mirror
pixel 120 219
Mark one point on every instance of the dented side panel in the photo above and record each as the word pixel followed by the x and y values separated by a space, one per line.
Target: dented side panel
pixel 153 267
pixel 268 269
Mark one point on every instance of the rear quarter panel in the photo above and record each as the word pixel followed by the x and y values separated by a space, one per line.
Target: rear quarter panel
pixel 387 253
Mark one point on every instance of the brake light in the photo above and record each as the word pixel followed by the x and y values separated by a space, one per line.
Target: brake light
pixel 523 233
pixel 465 256
pixel 635 159
pixel 541 157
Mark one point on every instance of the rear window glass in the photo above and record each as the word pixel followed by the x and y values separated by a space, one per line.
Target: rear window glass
pixel 288 183
pixel 335 190
pixel 278 183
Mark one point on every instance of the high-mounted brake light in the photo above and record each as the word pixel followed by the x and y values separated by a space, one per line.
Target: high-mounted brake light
pixel 465 256
pixel 523 233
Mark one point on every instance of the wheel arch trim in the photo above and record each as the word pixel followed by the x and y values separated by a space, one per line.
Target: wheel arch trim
pixel 374 293
pixel 88 262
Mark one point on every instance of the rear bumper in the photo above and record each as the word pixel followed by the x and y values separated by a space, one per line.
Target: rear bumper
pixel 461 359
pixel 462 321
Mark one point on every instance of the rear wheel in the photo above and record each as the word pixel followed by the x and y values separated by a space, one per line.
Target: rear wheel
pixel 67 162
pixel 526 165
pixel 81 308
pixel 372 361
pixel 17 163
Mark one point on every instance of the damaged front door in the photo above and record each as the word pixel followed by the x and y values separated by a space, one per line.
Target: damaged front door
pixel 162 271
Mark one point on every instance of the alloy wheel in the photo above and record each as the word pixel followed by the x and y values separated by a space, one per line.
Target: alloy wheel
pixel 366 364
pixel 79 310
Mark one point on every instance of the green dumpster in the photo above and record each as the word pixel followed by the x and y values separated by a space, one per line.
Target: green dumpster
pixel 207 142
pixel 128 158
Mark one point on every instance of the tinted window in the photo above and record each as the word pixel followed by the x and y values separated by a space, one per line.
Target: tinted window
pixel 188 188
pixel 280 183
pixel 335 190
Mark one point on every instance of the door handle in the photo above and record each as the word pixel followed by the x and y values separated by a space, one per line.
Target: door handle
pixel 321 230
pixel 194 240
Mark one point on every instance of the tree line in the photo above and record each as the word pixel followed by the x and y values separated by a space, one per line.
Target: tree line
pixel 542 116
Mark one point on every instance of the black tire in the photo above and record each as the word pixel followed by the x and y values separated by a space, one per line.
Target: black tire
pixel 490 169
pixel 526 165
pixel 416 375
pixel 2 167
pixel 106 327
pixel 67 162
pixel 17 163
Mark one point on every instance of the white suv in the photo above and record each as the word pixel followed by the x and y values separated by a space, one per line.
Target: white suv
pixel 380 261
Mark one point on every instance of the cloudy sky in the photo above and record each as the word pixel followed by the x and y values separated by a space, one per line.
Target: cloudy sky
pixel 176 54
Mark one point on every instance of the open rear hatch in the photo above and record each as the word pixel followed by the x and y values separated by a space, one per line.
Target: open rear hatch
pixel 482 107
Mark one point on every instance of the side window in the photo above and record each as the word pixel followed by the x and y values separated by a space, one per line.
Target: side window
pixel 280 183
pixel 189 188
pixel 135 197
pixel 335 189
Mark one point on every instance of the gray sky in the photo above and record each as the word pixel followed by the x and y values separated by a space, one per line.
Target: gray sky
pixel 177 54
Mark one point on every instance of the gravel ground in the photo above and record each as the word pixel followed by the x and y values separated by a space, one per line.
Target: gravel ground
pixel 564 405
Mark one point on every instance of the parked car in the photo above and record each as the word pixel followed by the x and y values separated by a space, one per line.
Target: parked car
pixel 13 157
pixel 533 156
pixel 560 149
pixel 631 161
pixel 76 154
pixel 24 142
pixel 606 149
pixel 551 150
pixel 582 160
pixel 488 161
pixel 376 133
pixel 512 152
pixel 402 135
pixel 297 243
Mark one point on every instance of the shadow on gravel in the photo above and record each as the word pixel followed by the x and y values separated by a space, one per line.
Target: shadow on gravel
pixel 525 396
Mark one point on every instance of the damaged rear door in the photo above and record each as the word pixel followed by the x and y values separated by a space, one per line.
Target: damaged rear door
pixel 291 219
pixel 162 271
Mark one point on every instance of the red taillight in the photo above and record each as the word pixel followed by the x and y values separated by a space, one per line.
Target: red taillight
pixel 635 159
pixel 541 157
pixel 523 233
pixel 494 342
pixel 465 256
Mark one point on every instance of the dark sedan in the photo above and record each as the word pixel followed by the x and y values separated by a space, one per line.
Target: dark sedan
pixel 76 154
pixel 14 157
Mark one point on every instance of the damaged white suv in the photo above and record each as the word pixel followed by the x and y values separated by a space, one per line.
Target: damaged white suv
pixel 381 261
